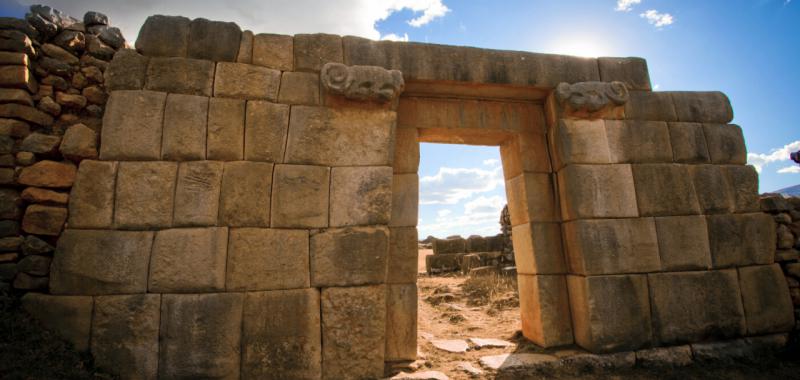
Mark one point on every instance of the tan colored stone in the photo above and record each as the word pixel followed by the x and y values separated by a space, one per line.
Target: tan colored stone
pixel 449 245
pixel 702 107
pixel 406 151
pixel 537 248
pixel 101 262
pixel 245 195
pixel 38 195
pixel 300 196
pixel 401 322
pixel 527 152
pixel 125 335
pixel 743 182
pixel 531 198
pixel 79 142
pixel 266 127
pixel 646 105
pixel 225 129
pixel 767 305
pixel 68 316
pixel 354 320
pixel 638 141
pixel 188 260
pixel 48 174
pixel 632 71
pixel 288 344
pixel 683 243
pixel 144 195
pixel 197 193
pixel 401 267
pixel 267 259
pixel 405 200
pixel 243 81
pixel 360 195
pixel 245 53
pixel 14 128
pixel 741 239
pixel 611 246
pixel 12 58
pixel 44 220
pixel 214 340
pixel 17 77
pixel 299 88
pixel 725 144
pixel 712 189
pixel 29 114
pixel 132 126
pixel 544 305
pixel 694 306
pixel 40 143
pixel 274 51
pixel 688 143
pixel 312 51
pixel 180 75
pixel 469 114
pixel 91 201
pixel 665 189
pixel 127 71
pixel 9 95
pixel 597 191
pixel 349 256
pixel 184 128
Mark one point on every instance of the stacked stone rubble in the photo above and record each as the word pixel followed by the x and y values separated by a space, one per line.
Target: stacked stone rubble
pixel 505 228
pixel 785 212
pixel 456 253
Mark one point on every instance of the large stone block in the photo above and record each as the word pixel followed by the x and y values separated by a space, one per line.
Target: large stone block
pixel 245 53
pixel 712 189
pixel 702 107
pixel 611 246
pixel 299 88
pixel 637 141
pixel 132 126
pixel 126 71
pixel 180 75
pixel 340 137
pixel 402 264
pixel 451 245
pixel 164 36
pixel 646 105
pixel 580 142
pixel 243 81
pixel 527 152
pixel 184 128
pixel 144 194
pixel 353 329
pixel 610 313
pixel 767 304
pixel 405 200
pixel 68 316
pixel 469 115
pixel 597 191
pixel 741 239
pixel 683 243
pixel 44 220
pixel 18 77
pixel 188 260
pixel 125 335
pixel 537 248
pixel 695 306
pixel 245 195
pixel 274 51
pixel 300 196
pixel 225 139
pixel 401 322
pixel 101 262
pixel 287 344
pixel 267 259
pixel 631 70
pixel 361 195
pixel 265 131
pixel 544 304
pixel 349 256
pixel 213 40
pixel 531 198
pixel 48 174
pixel 688 143
pixel 312 51
pixel 406 151
pixel 665 189
pixel 213 339
pixel 197 193
pixel 477 243
pixel 725 144
pixel 743 182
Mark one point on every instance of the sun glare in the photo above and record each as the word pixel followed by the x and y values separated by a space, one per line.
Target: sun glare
pixel 582 47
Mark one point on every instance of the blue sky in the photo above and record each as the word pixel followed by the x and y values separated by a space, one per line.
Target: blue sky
pixel 748 49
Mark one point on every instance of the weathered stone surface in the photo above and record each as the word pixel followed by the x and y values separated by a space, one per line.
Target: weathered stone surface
pixel 225 129
pixel 125 335
pixel 73 101
pixel 743 181
pixel 300 196
pixel 213 40
pixel 694 306
pixel 688 143
pixel 164 36
pixel 59 53
pixel 360 195
pixel 267 259
pixel 476 243
pixel 349 256
pixel 47 104
pixel 79 142
pixel 646 105
pixel 11 95
pixel 214 341
pixel 406 151
pixel 12 58
pixel 712 189
pixel 725 144
pixel 145 194
pixel 18 77
pixel 188 260
pixel 683 243
pixel 456 346
pixel 312 51
pixel 665 189
pixel 94 18
pixel 508 364
pixel 299 88
pixel 741 239
pixel 126 71
pixel 91 201
pixel 353 326
pixel 180 75
pixel 632 71
pixel 35 246
pixel 287 344
pixel 405 200
pixel 340 137
pixel 98 48
pixel 767 305
pixel 15 128
pixel 245 53
pixel 26 282
pixel 69 317
pixel 34 265
pixel 401 322
pixel 243 81
pixel 265 131
pixel 365 83
pixel 595 191
pixel 245 194
pixel 590 100
pixel 611 246
pixel 132 126
pixel 537 249
pixel 637 141
pixel 274 51
pixel 10 244
pixel 531 198
pixel 101 262
pixel 44 220
pixel 449 245
pixel 26 113
pixel 9 204
pixel 444 262
pixel 197 193
pixel 702 107
pixel 677 356
pixel 38 195
pixel 545 310
pixel 184 131
pixel 426 375
pixel 402 263
pixel 40 143
pixel 728 351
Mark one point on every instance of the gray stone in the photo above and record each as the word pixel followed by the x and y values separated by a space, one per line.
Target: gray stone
pixel 125 335
pixel 184 130
pixel 91 202
pixel 688 143
pixel 741 239
pixel 518 362
pixel 725 351
pixel 677 356
pixel 144 194
pixel 767 304
pixel 113 37
pixel 646 105
pixel 683 243
pixel 590 99
pixel 197 193
pixel 712 189
pixel 631 70
pixel 213 40
pixel 266 127
pixel 365 83
pixel 664 189
pixel 98 49
pixel 94 18
pixel 457 346
pixel 636 141
pixel 300 196
pixel 245 194
pixel 611 246
pixel 40 143
pixel 9 228
pixel 164 36
pixel 725 144
pixel 79 142
pixel 9 204
pixel 267 259
pixel 702 107
pixel 180 75
pixel 69 317
pixel 34 265
pixel 360 196
pixel 349 256
pixel 312 51
pixel 35 246
pixel 132 126
pixel 126 71
pixel 188 260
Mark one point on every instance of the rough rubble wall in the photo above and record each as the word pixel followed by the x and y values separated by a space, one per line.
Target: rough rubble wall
pixel 785 211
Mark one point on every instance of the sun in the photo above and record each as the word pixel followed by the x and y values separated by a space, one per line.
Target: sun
pixel 581 47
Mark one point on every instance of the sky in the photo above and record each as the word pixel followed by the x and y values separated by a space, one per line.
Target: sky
pixel 748 49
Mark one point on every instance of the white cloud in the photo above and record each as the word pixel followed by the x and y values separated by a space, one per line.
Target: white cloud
pixel 431 9
pixel 452 185
pixel 394 37
pixel 491 162
pixel 444 213
pixel 486 223
pixel 789 170
pixel 626 5
pixel 759 160
pixel 656 87
pixel 658 19
pixel 482 205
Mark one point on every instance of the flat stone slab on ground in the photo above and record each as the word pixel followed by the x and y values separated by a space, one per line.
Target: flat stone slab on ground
pixel 518 361
pixel 426 375
pixel 489 343
pixel 469 368
pixel 451 345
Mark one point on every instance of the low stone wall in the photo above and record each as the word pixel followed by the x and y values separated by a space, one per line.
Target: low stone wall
pixel 785 212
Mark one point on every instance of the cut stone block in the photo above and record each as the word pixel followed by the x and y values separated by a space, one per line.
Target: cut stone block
pixel 702 107
pixel 405 200
pixel 402 263
pixel 725 144
pixel 44 220
pixel 469 117
pixel 101 262
pixel 531 198
pixel 287 344
pixel 213 40
pixel 125 335
pixel 632 71
pixel 126 71
pixel 265 131
pixel 544 304
pixel 274 51
pixel 406 151
pixel 312 51
pixel 349 256
pixel 68 316
pixel 197 193
pixel 688 143
pixel 225 129
pixel 360 195
pixel 712 189
pixel 188 260
pixel 610 313
pixel 214 339
pixel 443 262
pixel 637 141
pixel 185 119
pixel 767 304
pixel 695 306
pixel 243 81
pixel 611 246
pixel 48 173
pixel 401 322
pixel 741 239
pixel 245 195
pixel 180 76
pixel 526 153
pixel 245 53
pixel 353 327
pixel 132 126
pixel 646 105
pixel 144 194
pixel 299 88
pixel 267 259
pixel 537 248
pixel 300 196
pixel 451 245
pixel 581 142
pixel 597 191
pixel 164 36
pixel 477 243
pixel 665 189
pixel 683 243
pixel 743 182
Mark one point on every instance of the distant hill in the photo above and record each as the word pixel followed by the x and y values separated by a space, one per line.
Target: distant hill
pixel 793 191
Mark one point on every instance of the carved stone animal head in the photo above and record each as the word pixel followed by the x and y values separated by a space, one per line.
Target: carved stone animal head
pixel 370 83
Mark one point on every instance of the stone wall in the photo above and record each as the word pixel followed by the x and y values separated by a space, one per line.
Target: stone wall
pixel 785 211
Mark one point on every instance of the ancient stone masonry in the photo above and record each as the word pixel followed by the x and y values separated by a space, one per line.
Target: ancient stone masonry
pixel 473 253
pixel 785 212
